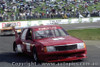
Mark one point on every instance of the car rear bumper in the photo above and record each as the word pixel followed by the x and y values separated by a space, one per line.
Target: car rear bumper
pixel 7 33
pixel 63 56
pixel 11 32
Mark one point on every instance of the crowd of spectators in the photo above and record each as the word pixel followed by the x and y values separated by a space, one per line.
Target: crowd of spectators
pixel 21 10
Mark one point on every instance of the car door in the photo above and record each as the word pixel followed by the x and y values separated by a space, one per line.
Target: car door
pixel 28 42
pixel 23 38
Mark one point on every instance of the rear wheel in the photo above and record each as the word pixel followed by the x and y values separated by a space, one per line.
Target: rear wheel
pixel 35 55
pixel 15 48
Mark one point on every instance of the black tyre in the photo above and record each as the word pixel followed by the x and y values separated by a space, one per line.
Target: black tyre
pixel 14 46
pixel 35 55
pixel 15 49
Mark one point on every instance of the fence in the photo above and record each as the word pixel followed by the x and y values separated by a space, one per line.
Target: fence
pixel 48 22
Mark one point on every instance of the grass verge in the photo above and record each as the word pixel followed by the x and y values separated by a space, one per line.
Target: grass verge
pixel 86 34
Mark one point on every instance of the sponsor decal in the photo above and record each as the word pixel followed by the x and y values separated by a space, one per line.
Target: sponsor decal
pixel 61 38
pixel 47 28
pixel 55 21
pixel 10 24
pixel 29 23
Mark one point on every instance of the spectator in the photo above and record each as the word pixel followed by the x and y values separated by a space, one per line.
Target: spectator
pixel 21 10
pixel 99 13
pixel 1 17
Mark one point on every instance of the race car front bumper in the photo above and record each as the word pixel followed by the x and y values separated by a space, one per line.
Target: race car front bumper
pixel 63 55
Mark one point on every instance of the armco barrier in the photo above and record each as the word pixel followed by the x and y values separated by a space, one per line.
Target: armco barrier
pixel 49 22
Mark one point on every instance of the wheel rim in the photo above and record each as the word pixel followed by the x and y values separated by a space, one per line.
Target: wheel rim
pixel 16 50
pixel 35 56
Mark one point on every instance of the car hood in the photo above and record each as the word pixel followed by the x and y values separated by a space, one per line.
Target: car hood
pixel 7 28
pixel 59 41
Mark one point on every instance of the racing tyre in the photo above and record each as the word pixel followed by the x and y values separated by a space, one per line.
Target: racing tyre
pixel 14 46
pixel 35 55
pixel 15 49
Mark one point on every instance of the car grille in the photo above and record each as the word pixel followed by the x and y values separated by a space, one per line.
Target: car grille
pixel 7 31
pixel 66 47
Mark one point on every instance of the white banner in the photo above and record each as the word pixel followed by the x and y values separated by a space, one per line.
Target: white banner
pixel 48 22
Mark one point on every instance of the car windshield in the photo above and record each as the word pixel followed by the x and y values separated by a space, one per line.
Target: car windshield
pixel 49 33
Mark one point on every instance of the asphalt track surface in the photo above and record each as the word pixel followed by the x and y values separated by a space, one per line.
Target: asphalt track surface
pixel 9 59
pixel 81 25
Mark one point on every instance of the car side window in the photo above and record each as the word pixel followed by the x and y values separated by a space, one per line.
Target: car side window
pixel 23 36
pixel 29 34
pixel 57 33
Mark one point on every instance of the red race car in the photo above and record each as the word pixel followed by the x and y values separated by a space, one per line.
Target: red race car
pixel 49 43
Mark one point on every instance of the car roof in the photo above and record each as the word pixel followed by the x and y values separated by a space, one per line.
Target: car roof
pixel 41 26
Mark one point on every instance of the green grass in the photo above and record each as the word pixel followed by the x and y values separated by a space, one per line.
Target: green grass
pixel 86 34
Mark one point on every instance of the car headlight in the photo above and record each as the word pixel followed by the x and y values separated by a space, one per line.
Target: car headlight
pixel 81 45
pixel 50 48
